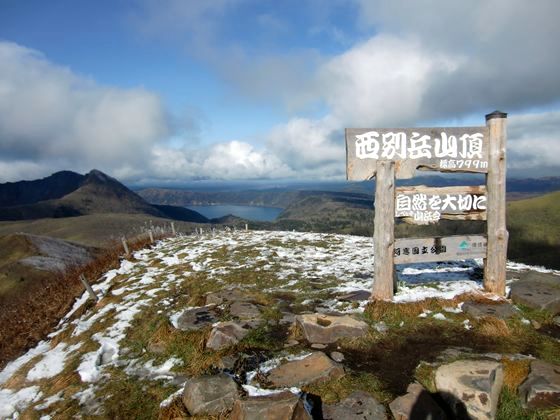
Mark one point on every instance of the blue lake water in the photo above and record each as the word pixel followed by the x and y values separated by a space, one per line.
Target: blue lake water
pixel 261 214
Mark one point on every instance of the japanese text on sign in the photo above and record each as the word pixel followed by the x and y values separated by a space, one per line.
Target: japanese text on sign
pixel 425 207
pixel 454 152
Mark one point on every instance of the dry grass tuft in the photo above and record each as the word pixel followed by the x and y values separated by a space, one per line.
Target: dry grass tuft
pixel 174 411
pixel 493 327
pixel 515 372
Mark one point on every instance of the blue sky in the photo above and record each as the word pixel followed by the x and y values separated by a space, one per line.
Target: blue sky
pixel 173 90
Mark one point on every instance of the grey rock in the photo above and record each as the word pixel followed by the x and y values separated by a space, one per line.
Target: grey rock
pixel 499 310
pixel 357 406
pixel 355 296
pixel 291 343
pixel 417 403
pixel 228 295
pixel 471 387
pixel 381 327
pixel 337 356
pixel 316 367
pixel 318 346
pixel 244 311
pixel 287 318
pixel 210 395
pixel 541 389
pixel 538 291
pixel 225 334
pixel 196 318
pixel 556 320
pixel 326 329
pixel 281 406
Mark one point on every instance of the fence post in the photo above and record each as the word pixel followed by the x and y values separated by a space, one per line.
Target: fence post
pixel 88 288
pixel 384 231
pixel 246 226
pixel 151 236
pixel 496 256
pixel 173 229
pixel 125 245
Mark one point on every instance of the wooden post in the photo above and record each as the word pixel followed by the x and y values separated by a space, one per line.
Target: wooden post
pixel 173 229
pixel 151 235
pixel 88 288
pixel 125 245
pixel 384 230
pixel 495 263
pixel 246 226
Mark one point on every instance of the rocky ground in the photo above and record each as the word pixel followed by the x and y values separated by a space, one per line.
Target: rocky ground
pixel 257 324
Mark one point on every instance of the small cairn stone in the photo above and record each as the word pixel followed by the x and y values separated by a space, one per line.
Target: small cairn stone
pixel 327 329
pixel 471 387
pixel 417 403
pixel 225 334
pixel 210 395
pixel 196 318
pixel 541 389
pixel 317 367
pixel 499 310
pixel 280 406
pixel 537 290
pixel 357 406
pixel 337 356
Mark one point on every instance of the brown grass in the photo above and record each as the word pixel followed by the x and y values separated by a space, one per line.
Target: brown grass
pixel 515 372
pixel 174 411
pixel 493 327
pixel 30 316
pixel 391 311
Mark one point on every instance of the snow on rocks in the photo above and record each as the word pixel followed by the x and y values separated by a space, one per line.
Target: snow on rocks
pixel 314 269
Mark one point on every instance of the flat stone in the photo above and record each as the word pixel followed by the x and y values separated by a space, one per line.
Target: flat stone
pixel 337 356
pixel 233 295
pixel 287 318
pixel 317 367
pixel 499 310
pixel 225 334
pixel 556 320
pixel 471 387
pixel 291 343
pixel 417 403
pixel 281 406
pixel 318 346
pixel 357 406
pixel 196 318
pixel 210 395
pixel 326 329
pixel 537 290
pixel 541 389
pixel 244 310
pixel 355 296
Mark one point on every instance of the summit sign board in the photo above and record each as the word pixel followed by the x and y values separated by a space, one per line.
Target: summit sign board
pixel 389 154
pixel 463 149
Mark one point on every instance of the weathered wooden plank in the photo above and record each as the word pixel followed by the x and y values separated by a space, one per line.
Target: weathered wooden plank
pixel 423 205
pixel 445 248
pixel 495 264
pixel 445 149
pixel 384 231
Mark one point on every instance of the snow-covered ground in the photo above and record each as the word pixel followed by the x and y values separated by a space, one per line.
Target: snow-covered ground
pixel 315 267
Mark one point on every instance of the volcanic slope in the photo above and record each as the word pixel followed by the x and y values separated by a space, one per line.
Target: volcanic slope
pixel 127 356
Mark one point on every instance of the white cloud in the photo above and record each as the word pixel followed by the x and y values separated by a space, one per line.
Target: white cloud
pixel 50 115
pixel 382 81
pixel 534 144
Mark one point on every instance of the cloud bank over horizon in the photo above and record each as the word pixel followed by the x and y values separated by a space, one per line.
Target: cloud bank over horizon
pixel 405 67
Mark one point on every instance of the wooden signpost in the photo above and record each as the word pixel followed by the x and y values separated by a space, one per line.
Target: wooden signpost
pixel 390 154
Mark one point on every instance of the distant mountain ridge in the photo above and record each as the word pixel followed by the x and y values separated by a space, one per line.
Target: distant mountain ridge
pixel 68 194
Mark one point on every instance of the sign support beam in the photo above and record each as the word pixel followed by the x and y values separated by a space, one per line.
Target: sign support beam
pixel 495 263
pixel 384 231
